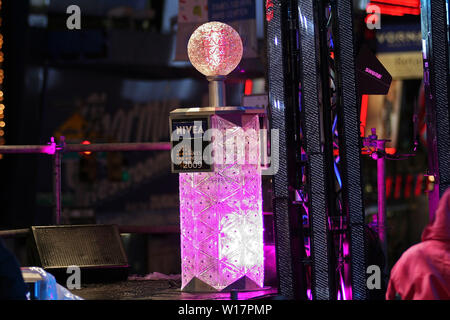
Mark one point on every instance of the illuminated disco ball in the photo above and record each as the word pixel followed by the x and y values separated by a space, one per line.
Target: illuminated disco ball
pixel 215 49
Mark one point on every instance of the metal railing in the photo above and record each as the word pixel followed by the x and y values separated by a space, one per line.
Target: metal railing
pixel 57 149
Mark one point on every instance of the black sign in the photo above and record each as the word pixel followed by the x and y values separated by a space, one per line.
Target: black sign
pixel 189 144
pixel 371 75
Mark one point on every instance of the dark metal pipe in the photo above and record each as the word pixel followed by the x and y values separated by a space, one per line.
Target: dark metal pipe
pixel 14 233
pixel 24 149
pixel 135 146
pixel 100 147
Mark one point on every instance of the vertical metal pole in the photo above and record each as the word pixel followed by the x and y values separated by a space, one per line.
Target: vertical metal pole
pixel 283 109
pixel 322 265
pixel 57 185
pixel 381 182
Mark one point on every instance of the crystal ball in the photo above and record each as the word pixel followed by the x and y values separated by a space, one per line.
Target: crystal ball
pixel 215 49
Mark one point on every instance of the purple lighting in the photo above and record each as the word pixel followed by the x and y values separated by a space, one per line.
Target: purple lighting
pixel 373 73
pixel 221 215
pixel 51 147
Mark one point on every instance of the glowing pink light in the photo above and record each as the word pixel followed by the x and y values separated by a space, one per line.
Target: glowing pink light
pixel 221 216
pixel 343 289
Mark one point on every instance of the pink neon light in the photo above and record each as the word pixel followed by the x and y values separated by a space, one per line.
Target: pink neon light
pixel 344 297
pixel 398 186
pixel 86 152
pixel 50 148
pixel 221 216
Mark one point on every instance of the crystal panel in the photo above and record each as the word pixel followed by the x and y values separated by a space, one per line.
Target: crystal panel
pixel 221 211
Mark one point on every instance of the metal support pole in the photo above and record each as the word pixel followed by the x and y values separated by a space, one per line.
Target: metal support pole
pixel 381 183
pixel 349 143
pixel 57 157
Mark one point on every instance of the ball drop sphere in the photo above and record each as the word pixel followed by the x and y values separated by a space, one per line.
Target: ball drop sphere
pixel 215 49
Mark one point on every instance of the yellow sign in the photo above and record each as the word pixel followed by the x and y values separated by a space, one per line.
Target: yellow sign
pixel 403 65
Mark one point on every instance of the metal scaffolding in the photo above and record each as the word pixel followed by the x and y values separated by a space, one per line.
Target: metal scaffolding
pixel 56 150
pixel 318 191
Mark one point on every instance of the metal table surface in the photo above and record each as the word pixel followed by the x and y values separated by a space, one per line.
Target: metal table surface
pixel 158 290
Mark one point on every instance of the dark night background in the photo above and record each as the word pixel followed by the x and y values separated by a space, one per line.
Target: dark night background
pixel 115 80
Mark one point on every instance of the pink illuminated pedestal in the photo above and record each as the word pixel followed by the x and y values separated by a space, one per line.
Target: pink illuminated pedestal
pixel 221 214
pixel 220 210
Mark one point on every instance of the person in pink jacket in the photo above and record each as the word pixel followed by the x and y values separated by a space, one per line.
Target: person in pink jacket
pixel 423 271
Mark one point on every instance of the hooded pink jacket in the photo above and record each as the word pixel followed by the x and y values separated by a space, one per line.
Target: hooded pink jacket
pixel 423 271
